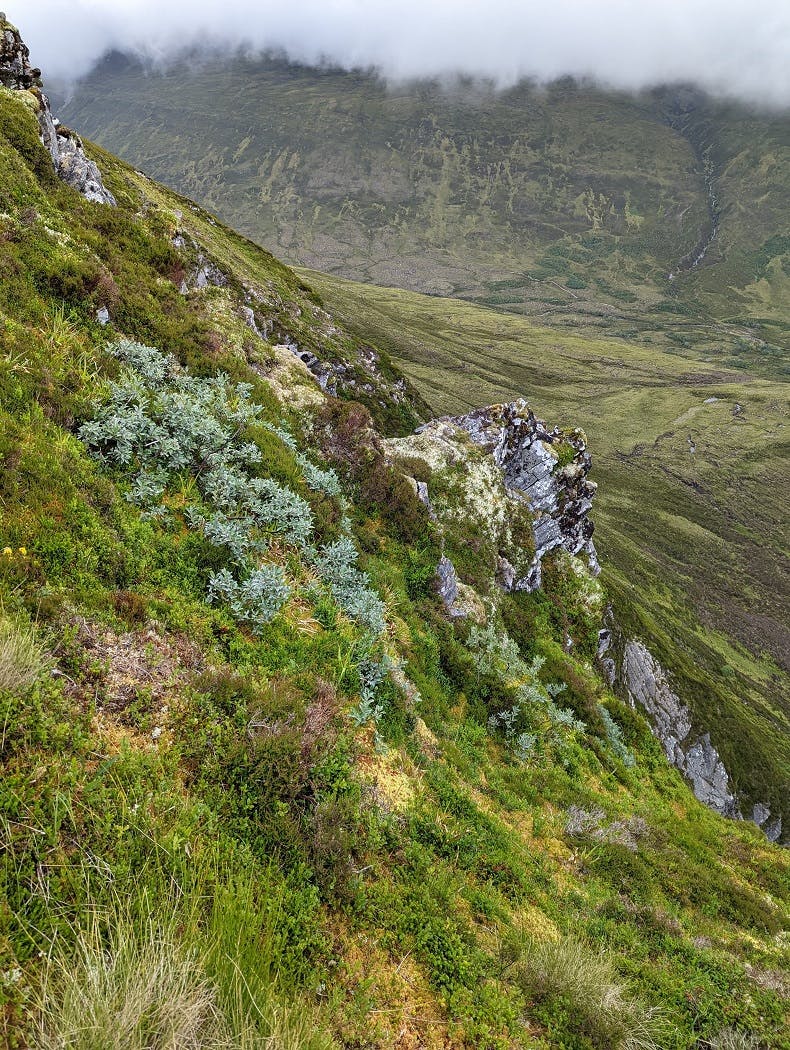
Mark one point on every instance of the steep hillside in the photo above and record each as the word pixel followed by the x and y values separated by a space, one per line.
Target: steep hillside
pixel 650 234
pixel 569 203
pixel 692 511
pixel 305 738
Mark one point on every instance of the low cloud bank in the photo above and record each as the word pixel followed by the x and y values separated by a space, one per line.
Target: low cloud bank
pixel 737 48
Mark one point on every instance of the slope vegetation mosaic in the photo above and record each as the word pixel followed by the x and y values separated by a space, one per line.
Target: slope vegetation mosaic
pixel 269 778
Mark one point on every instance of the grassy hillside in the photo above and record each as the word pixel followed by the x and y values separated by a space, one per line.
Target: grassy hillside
pixel 257 788
pixel 584 212
pixel 691 517
pixel 567 203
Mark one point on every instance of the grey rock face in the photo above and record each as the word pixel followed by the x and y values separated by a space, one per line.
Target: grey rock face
pixel 761 814
pixel 647 684
pixel 65 147
pixel 506 574
pixel 447 585
pixel 248 315
pixel 77 170
pixel 16 71
pixel 556 489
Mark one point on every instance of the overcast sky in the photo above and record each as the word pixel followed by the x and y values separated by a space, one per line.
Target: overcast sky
pixel 736 47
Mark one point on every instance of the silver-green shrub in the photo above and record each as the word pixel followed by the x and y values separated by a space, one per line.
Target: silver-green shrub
pixel 159 424
pixel 256 598
pixel 496 653
pixel 336 565
pixel 614 736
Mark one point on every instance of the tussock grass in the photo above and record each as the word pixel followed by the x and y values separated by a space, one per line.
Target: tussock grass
pixel 730 1039
pixel 572 971
pixel 22 658
pixel 189 974
pixel 129 987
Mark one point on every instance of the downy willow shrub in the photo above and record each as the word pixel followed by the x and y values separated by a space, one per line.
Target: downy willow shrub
pixel 372 671
pixel 159 422
pixel 336 564
pixel 255 599
pixel 319 479
pixel 614 736
pixel 497 653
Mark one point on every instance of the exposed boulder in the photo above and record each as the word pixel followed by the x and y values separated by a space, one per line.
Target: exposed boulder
pixel 447 583
pixel 761 815
pixel 64 146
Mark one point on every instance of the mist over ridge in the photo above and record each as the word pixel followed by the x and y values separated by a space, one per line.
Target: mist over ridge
pixel 731 48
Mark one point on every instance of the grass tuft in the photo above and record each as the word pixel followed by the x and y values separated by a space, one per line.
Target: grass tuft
pixel 146 978
pixel 570 972
pixel 22 659
pixel 731 1039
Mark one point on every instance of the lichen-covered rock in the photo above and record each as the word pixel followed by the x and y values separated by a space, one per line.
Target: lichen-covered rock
pixel 16 71
pixel 549 468
pixel 64 146
pixel 525 467
pixel 78 170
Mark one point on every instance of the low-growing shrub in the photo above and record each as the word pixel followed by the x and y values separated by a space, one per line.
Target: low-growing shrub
pixel 336 564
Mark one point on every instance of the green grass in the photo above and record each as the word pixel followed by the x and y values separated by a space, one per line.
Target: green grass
pixel 569 976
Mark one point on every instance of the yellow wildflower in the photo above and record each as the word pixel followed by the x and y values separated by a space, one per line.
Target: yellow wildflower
pixel 23 551
pixel 7 552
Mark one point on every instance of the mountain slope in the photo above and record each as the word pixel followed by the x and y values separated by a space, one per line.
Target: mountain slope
pixel 573 206
pixel 266 780
pixel 690 519
pixel 567 202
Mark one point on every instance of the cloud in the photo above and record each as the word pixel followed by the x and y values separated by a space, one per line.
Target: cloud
pixel 738 48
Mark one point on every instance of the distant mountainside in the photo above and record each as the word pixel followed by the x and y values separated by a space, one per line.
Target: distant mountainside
pixel 577 205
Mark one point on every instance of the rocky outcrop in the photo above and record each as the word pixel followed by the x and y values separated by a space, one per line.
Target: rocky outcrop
pixel 64 146
pixel 524 487
pixel 633 671
pixel 772 826
pixel 647 684
pixel 549 469
pixel 16 71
